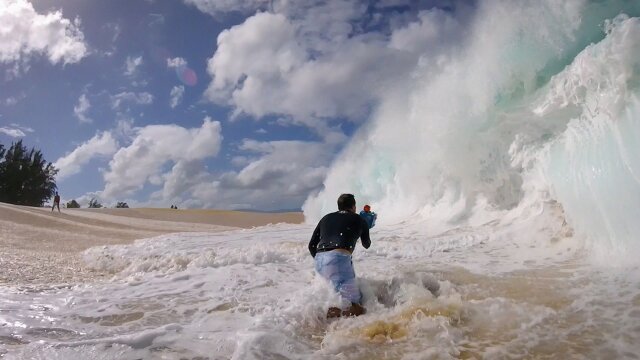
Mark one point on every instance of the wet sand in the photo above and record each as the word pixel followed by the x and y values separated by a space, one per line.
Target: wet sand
pixel 38 246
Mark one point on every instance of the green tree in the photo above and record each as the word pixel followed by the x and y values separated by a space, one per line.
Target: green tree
pixel 25 176
pixel 73 204
pixel 122 205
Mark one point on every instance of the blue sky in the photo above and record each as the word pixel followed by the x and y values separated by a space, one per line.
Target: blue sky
pixel 202 103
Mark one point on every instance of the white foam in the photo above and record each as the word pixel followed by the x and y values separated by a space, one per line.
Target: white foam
pixel 254 294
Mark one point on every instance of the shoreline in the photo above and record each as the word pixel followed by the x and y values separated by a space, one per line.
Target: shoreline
pixel 38 246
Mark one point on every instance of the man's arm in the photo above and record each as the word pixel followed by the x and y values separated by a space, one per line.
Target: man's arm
pixel 364 236
pixel 315 239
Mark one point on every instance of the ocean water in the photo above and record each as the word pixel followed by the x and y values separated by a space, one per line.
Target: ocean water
pixel 506 176
pixel 478 292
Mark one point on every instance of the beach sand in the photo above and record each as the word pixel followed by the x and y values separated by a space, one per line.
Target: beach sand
pixel 38 246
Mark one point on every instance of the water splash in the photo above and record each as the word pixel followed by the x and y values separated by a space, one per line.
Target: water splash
pixel 537 112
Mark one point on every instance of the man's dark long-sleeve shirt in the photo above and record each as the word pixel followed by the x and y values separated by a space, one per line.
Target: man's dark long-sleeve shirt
pixel 339 230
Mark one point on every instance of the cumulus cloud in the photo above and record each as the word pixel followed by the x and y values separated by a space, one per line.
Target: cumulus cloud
pixel 155 146
pixel 274 175
pixel 103 144
pixel 180 181
pixel 289 165
pixel 176 96
pixel 26 33
pixel 132 64
pixel 143 98
pixel 81 109
pixel 270 175
pixel 318 63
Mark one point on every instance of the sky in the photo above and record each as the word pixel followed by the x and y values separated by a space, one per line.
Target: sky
pixel 203 103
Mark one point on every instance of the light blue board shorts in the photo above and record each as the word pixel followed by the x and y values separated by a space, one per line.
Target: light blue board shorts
pixel 338 269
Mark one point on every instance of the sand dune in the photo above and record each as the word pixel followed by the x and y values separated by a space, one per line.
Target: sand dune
pixel 40 246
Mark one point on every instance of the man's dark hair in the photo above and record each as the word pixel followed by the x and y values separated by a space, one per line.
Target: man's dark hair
pixel 346 202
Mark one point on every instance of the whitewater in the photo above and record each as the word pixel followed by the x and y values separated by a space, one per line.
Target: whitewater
pixel 506 174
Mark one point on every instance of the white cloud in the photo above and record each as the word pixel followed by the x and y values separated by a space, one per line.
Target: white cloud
pixel 289 165
pixel 82 108
pixel 240 161
pixel 215 7
pixel 176 96
pixel 13 132
pixel 25 33
pixel 183 177
pixel 232 62
pixel 100 145
pixel 84 200
pixel 270 175
pixel 319 74
pixel 153 147
pixel 132 64
pixel 176 62
pixel 274 175
pixel 124 126
pixel 314 62
pixel 143 98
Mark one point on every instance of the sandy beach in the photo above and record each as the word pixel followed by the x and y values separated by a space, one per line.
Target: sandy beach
pixel 38 246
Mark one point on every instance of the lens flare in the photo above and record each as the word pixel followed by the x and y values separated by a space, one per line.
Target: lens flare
pixel 186 75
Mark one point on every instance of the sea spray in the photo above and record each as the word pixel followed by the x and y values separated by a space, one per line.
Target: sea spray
pixel 487 130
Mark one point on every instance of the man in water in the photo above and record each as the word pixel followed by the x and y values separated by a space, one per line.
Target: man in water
pixel 369 216
pixel 331 245
pixel 56 202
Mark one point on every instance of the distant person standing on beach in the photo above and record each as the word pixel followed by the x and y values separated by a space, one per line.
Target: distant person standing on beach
pixel 56 202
